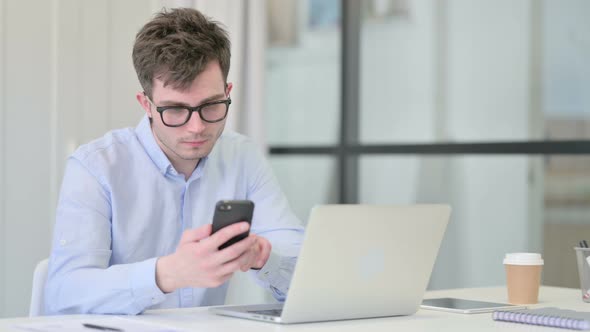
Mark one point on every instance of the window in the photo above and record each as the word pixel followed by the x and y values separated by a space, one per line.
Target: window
pixel 483 105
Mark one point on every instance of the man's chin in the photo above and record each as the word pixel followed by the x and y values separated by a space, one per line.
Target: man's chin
pixel 195 155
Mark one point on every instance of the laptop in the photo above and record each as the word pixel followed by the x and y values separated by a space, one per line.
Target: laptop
pixel 358 261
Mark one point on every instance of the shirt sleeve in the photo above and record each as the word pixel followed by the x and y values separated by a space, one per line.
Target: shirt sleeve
pixel 80 278
pixel 276 275
pixel 274 220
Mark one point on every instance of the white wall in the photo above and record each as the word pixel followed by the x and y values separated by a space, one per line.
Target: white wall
pixel 2 140
pixel 66 77
pixel 96 82
pixel 27 136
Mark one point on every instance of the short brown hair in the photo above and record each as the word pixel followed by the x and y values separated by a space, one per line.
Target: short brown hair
pixel 176 45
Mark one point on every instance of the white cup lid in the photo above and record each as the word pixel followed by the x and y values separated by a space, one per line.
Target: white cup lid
pixel 523 258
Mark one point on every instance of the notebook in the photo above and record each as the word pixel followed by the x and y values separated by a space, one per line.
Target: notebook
pixel 358 261
pixel 552 317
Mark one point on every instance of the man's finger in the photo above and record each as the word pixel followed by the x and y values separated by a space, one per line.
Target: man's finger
pixel 239 263
pixel 234 251
pixel 229 267
pixel 196 234
pixel 245 260
pixel 265 249
pixel 225 234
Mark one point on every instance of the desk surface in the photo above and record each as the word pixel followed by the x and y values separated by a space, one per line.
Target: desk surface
pixel 199 319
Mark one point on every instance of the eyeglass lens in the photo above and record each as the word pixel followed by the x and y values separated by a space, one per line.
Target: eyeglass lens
pixel 178 115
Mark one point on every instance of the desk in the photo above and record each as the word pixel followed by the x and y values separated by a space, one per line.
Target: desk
pixel 199 319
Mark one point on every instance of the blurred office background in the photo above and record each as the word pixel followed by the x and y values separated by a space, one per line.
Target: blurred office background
pixel 482 104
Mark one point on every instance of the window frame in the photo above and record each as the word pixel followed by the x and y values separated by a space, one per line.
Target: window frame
pixel 349 150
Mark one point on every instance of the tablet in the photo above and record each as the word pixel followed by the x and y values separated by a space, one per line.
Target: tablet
pixel 466 306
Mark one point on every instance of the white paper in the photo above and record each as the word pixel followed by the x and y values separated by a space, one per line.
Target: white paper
pixel 76 325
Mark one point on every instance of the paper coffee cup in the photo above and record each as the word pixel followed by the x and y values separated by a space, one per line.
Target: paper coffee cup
pixel 523 277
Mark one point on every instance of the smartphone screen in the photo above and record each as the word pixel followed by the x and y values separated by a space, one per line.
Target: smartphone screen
pixel 229 212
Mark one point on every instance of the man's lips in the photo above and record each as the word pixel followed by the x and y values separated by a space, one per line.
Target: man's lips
pixel 194 143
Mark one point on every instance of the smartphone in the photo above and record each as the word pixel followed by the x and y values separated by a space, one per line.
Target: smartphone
pixel 230 212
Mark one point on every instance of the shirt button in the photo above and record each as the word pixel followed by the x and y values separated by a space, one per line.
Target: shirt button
pixel 63 242
pixel 154 300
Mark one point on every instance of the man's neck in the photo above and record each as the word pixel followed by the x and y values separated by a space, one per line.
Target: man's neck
pixel 182 166
pixel 186 167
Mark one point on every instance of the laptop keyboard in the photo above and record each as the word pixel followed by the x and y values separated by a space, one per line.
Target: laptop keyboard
pixel 272 312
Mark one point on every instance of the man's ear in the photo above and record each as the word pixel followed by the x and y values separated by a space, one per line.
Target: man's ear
pixel 144 103
pixel 228 88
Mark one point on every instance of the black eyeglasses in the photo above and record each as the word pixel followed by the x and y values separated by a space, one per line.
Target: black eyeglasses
pixel 176 116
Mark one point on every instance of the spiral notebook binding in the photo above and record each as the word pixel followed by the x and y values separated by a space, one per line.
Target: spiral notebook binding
pixel 551 317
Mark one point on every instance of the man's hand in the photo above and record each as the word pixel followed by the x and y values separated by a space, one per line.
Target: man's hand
pixel 198 262
pixel 257 255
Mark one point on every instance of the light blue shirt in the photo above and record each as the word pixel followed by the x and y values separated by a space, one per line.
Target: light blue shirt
pixel 122 205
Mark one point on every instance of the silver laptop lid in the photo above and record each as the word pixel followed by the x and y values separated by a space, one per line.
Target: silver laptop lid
pixel 360 261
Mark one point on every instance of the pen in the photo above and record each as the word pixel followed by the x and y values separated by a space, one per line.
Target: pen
pixel 100 327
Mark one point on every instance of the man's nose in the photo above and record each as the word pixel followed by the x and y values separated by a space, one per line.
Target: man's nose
pixel 195 123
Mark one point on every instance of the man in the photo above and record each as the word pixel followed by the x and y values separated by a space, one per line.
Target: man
pixel 133 220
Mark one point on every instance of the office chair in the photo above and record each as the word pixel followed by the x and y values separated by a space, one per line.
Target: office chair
pixel 37 295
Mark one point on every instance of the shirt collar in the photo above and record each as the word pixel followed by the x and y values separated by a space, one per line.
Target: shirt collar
pixel 146 138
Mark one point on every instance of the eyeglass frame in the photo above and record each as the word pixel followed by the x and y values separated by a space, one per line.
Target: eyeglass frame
pixel 161 109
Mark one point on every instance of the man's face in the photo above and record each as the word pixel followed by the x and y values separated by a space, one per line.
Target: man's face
pixel 187 144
